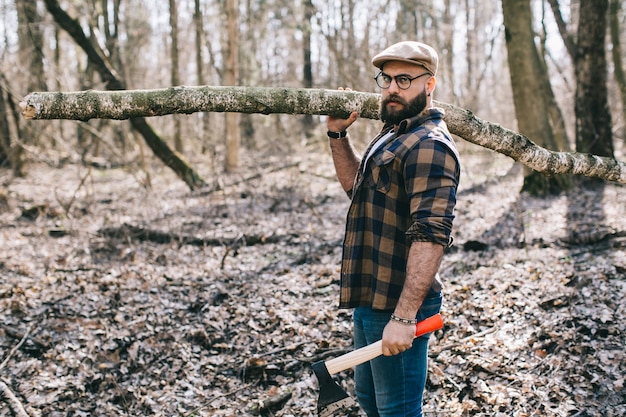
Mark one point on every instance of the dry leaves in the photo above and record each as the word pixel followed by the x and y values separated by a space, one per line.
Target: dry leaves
pixel 534 313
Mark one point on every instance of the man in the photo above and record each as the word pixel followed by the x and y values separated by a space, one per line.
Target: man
pixel 403 193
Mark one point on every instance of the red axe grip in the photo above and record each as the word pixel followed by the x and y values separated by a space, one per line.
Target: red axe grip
pixel 369 352
pixel 428 325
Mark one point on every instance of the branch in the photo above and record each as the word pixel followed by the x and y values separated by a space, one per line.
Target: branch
pixel 466 125
pixel 14 404
pixel 15 348
pixel 125 104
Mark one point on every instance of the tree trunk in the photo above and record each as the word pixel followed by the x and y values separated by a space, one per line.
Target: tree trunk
pixel 96 57
pixel 618 65
pixel 568 39
pixel 531 90
pixel 232 71
pixel 593 115
pixel 30 43
pixel 5 130
pixel 470 49
pixel 463 123
pixel 206 118
pixel 307 67
pixel 175 77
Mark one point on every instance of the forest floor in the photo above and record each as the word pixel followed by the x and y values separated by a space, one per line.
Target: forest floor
pixel 122 299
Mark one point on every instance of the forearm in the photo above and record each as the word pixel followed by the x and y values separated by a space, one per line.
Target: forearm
pixel 422 266
pixel 346 161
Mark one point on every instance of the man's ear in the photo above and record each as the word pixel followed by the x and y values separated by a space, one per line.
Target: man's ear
pixel 431 83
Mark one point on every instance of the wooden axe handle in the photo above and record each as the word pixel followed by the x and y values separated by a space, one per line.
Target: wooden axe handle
pixel 369 352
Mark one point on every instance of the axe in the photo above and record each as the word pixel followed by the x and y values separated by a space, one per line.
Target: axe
pixel 332 397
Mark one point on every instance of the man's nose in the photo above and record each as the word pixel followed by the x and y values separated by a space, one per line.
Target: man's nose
pixel 393 86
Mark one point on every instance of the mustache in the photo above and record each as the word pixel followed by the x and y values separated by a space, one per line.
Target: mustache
pixel 395 99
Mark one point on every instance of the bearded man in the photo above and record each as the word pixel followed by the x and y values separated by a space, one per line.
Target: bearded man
pixel 403 193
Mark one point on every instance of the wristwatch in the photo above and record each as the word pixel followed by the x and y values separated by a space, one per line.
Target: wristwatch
pixel 337 135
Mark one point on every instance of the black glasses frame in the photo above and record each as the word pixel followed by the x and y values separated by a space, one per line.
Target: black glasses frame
pixel 399 79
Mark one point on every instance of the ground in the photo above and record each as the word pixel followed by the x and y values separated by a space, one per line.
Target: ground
pixel 122 299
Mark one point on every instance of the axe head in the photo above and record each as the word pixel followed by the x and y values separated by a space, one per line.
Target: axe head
pixel 332 398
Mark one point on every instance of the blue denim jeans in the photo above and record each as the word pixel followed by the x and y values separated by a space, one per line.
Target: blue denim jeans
pixel 391 386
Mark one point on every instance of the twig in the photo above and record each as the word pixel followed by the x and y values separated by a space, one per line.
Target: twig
pixel 11 399
pixel 68 206
pixel 15 348
pixel 5 391
pixel 18 335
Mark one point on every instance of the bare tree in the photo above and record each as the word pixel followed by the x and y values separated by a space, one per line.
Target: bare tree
pixel 198 21
pixel 532 93
pixel 616 52
pixel 232 73
pixel 175 77
pixel 307 67
pixel 6 146
pixel 114 82
pixel 30 41
pixel 593 115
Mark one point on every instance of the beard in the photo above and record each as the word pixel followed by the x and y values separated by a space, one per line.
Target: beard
pixel 409 109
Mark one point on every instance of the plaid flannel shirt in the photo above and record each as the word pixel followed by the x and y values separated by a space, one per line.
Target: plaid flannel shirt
pixel 405 192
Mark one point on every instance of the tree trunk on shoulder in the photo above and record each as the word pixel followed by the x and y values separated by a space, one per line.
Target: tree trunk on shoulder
pixel 461 122
pixel 531 91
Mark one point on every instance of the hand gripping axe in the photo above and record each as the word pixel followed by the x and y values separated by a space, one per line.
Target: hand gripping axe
pixel 332 397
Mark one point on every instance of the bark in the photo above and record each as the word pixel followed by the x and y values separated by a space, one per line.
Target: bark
pixel 307 67
pixel 532 92
pixel 5 132
pixel 232 76
pixel 463 123
pixel 616 53
pixel 593 115
pixel 11 147
pixel 175 76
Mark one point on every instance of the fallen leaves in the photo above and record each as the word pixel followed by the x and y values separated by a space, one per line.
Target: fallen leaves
pixel 126 325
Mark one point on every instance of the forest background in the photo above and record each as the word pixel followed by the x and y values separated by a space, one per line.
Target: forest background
pixel 85 206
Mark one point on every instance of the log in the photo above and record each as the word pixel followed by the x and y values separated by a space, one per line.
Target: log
pixel 124 104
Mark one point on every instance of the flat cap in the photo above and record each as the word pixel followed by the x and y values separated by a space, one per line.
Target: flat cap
pixel 410 52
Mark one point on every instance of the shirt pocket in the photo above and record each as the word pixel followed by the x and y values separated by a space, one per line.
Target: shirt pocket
pixel 382 170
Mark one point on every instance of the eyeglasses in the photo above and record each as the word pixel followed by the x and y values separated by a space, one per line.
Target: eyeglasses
pixel 404 82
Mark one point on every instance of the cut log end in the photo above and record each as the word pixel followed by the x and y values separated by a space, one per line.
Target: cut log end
pixel 28 111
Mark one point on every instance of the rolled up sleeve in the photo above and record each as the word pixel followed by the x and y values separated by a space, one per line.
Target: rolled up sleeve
pixel 431 181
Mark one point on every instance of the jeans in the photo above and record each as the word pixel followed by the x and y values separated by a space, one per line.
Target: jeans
pixel 391 386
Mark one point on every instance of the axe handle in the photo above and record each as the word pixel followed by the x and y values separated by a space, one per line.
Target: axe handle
pixel 369 352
